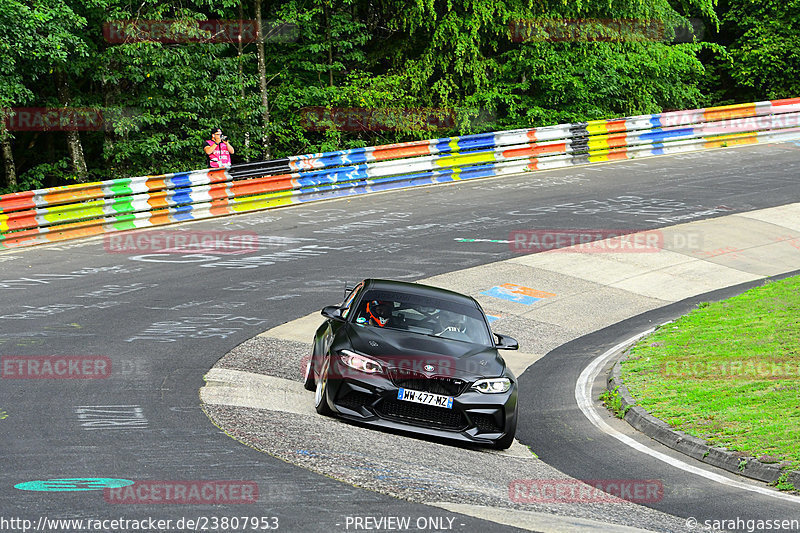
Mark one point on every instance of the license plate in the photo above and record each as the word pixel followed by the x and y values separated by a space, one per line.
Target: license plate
pixel 426 398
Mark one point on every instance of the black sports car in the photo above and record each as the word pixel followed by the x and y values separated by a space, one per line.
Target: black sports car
pixel 416 358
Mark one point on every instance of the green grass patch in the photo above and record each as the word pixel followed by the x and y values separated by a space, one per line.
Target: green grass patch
pixel 783 483
pixel 728 372
pixel 613 401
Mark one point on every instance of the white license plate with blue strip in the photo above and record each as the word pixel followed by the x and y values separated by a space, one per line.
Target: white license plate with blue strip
pixel 426 398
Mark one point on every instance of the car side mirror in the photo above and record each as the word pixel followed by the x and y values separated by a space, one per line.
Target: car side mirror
pixel 333 312
pixel 504 342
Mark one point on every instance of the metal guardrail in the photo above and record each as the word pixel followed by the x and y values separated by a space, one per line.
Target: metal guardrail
pixel 60 213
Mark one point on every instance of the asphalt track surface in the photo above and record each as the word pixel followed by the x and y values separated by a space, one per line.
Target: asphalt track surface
pixel 565 439
pixel 164 319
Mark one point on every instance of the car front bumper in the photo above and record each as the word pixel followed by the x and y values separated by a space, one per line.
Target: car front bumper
pixel 372 399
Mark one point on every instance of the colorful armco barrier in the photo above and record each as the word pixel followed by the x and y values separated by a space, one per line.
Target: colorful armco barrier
pixel 60 213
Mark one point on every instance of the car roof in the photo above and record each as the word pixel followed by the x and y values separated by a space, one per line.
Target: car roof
pixel 418 289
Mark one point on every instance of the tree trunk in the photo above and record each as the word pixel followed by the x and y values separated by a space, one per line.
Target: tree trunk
pixel 8 156
pixel 109 137
pixel 240 49
pixel 326 11
pixel 74 147
pixel 75 150
pixel 239 53
pixel 262 83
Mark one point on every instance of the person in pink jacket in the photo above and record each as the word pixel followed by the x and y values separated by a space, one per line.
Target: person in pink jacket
pixel 218 149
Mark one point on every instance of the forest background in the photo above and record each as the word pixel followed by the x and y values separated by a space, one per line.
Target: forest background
pixel 101 89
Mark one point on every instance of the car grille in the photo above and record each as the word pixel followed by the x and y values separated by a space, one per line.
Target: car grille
pixel 355 400
pixel 485 423
pixel 425 414
pixel 434 384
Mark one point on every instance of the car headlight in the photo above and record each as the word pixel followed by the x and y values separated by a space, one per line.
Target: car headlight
pixel 492 386
pixel 360 362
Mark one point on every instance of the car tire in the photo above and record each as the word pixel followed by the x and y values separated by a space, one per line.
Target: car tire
pixel 308 379
pixel 321 392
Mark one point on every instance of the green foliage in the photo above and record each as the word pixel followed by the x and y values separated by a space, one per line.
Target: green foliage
pixel 783 483
pixel 764 46
pixel 613 402
pixel 430 68
pixel 504 58
pixel 755 52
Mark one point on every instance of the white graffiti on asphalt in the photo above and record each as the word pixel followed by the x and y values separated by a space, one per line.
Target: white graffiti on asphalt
pixel 33 313
pixel 242 262
pixel 250 221
pixel 361 225
pixel 624 205
pixel 35 280
pixel 117 290
pixel 206 326
pixel 324 216
pixel 531 182
pixel 205 304
pixel 111 417
pixel 407 231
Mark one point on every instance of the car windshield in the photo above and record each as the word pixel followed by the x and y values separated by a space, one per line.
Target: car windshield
pixel 423 315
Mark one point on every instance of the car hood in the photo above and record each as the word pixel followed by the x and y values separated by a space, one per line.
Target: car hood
pixel 414 352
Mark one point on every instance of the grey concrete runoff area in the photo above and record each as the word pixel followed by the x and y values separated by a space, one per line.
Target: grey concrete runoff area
pixel 256 387
pixel 233 328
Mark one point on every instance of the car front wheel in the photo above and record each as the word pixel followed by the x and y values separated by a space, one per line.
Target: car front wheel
pixel 308 377
pixel 321 393
pixel 505 442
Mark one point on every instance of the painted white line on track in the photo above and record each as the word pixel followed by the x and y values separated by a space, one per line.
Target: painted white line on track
pixel 583 395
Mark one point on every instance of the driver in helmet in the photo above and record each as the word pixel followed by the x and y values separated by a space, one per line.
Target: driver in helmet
pixel 451 322
pixel 379 313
